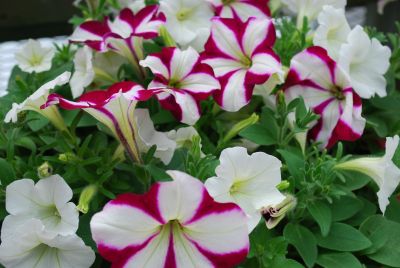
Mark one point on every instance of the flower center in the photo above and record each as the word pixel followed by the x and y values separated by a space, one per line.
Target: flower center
pixel 174 83
pixel 35 60
pixel 183 14
pixel 227 2
pixel 337 92
pixel 246 61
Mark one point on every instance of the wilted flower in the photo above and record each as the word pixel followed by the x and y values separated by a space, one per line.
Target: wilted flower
pixel 175 224
pixel 34 101
pixel 325 88
pixel 381 169
pixel 34 58
pixel 83 74
pixel 240 54
pixel 247 180
pixel 366 61
pixel 274 214
pixel 32 246
pixel 241 9
pixel 188 21
pixel 184 81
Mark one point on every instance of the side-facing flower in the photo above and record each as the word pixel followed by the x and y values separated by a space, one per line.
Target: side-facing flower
pixel 183 136
pixel 241 9
pixel 34 101
pixel 326 89
pixel 188 21
pixel 332 31
pixel 381 169
pixel 366 61
pixel 83 74
pixel 148 137
pixel 115 108
pixel 240 54
pixel 247 180
pixel 46 201
pixel 184 81
pixel 34 58
pixel 33 246
pixel 175 224
pixel 311 8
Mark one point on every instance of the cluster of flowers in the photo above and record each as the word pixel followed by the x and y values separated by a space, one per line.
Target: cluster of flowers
pixel 221 49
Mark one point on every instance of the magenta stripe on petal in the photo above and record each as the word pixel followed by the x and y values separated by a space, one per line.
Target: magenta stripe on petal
pixel 323 55
pixel 342 132
pixel 170 260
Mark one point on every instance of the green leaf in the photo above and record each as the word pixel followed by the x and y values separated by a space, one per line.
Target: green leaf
pixel 304 242
pixel 392 210
pixel 376 228
pixel 294 161
pixel 335 260
pixel 284 263
pixel 259 134
pixel 355 180
pixel 343 237
pixel 368 210
pixel 345 207
pixel 322 215
pixel 389 254
pixel 7 174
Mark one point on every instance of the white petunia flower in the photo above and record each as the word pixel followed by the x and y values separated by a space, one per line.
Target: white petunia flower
pixel 188 21
pixel 332 31
pixel 248 180
pixel 33 246
pixel 183 136
pixel 381 169
pixel 84 72
pixel 34 58
pixel 134 5
pixel 365 61
pixel 47 201
pixel 34 101
pixel 148 137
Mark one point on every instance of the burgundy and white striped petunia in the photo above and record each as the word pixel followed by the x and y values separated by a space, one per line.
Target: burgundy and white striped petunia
pixel 241 55
pixel 326 89
pixel 175 224
pixel 124 35
pixel 183 79
pixel 114 108
pixel 241 9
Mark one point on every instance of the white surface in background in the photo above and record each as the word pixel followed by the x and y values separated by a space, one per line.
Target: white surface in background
pixel 7 60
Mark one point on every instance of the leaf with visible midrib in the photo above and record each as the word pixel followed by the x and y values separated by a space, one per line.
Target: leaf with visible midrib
pixel 336 260
pixel 322 215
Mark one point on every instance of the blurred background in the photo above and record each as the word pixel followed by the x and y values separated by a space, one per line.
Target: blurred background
pixel 22 19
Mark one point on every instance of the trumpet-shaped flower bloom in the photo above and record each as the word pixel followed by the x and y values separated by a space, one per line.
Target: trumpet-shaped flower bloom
pixel 33 246
pixel 47 201
pixel 124 35
pixel 34 101
pixel 240 54
pixel 84 73
pixel 366 61
pixel 381 169
pixel 248 180
pixel 332 31
pixel 311 8
pixel 175 224
pixel 326 89
pixel 184 81
pixel 188 21
pixel 34 58
pixel 148 137
pixel 115 108
pixel 241 9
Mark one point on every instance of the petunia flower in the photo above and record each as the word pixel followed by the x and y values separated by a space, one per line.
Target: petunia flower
pixel 124 35
pixel 311 8
pixel 34 101
pixel 175 224
pixel 332 31
pixel 241 9
pixel 47 201
pixel 148 137
pixel 248 180
pixel 33 246
pixel 115 108
pixel 366 61
pixel 381 169
pixel 240 54
pixel 184 81
pixel 134 5
pixel 188 21
pixel 32 57
pixel 326 89
pixel 84 72
pixel 183 136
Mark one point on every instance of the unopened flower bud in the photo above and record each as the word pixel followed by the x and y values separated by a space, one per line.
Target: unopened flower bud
pixel 86 196
pixel 45 170
pixel 68 157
